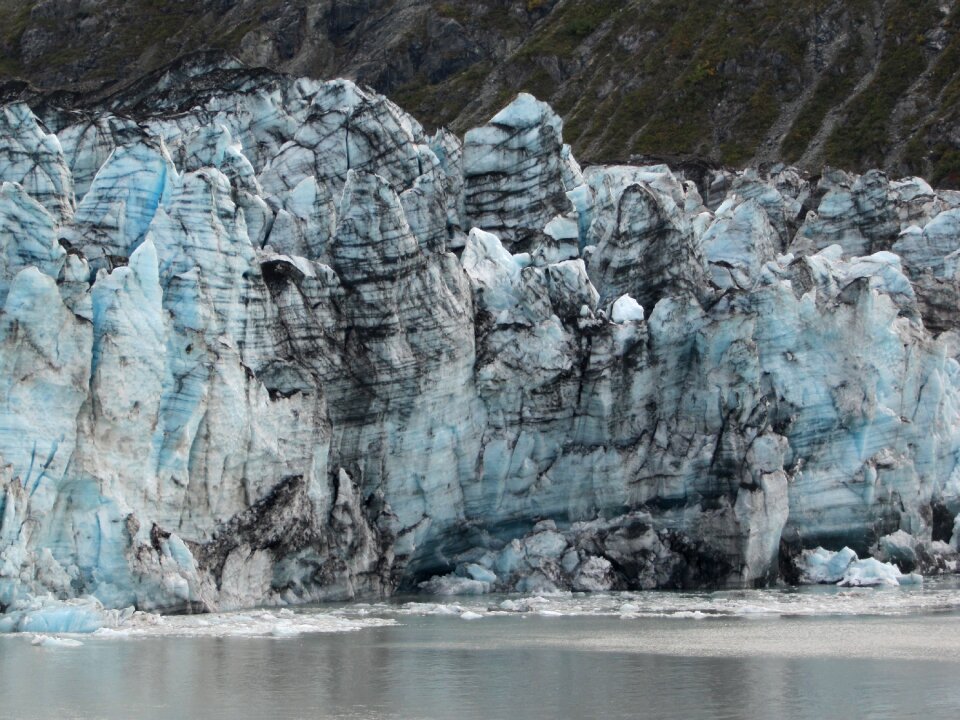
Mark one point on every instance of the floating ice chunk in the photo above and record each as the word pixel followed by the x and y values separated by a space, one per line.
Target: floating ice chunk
pixel 847 570
pixel 64 619
pixel 626 309
pixel 55 642
pixel 865 573
pixel 470 615
pixel 754 610
pixel 286 631
pixel 416 608
pixel 48 615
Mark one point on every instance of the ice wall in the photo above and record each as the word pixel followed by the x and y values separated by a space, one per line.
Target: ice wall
pixel 266 341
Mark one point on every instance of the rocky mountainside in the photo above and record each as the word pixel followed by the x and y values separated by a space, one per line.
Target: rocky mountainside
pixel 265 340
pixel 850 83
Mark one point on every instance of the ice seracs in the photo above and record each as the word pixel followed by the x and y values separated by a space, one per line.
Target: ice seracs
pixel 34 159
pixel 513 171
pixel 271 343
pixel 644 243
pixel 30 234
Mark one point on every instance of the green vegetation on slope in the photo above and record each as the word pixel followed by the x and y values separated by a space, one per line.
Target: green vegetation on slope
pixel 854 83
pixel 864 139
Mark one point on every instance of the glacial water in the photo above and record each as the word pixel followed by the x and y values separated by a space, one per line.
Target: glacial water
pixel 813 653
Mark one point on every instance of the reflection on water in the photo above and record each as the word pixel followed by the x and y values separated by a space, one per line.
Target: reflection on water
pixel 507 667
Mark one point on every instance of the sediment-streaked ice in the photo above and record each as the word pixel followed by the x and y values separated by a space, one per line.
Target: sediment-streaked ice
pixel 285 347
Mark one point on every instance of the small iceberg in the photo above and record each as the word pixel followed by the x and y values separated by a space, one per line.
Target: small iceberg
pixel 846 569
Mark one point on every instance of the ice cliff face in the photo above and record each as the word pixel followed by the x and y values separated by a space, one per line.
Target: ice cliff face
pixel 267 341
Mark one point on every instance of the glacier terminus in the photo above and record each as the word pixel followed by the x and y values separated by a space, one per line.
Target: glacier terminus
pixel 265 341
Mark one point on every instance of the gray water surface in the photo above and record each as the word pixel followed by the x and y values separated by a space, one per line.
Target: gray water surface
pixel 507 666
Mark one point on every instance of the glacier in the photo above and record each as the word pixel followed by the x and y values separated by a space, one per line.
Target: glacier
pixel 266 341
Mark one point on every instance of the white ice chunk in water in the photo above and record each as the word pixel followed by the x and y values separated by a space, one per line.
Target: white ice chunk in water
pixel 48 641
pixel 844 568
pixel 869 572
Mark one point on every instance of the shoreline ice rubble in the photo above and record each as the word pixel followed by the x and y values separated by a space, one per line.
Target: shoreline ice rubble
pixel 47 619
pixel 265 341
